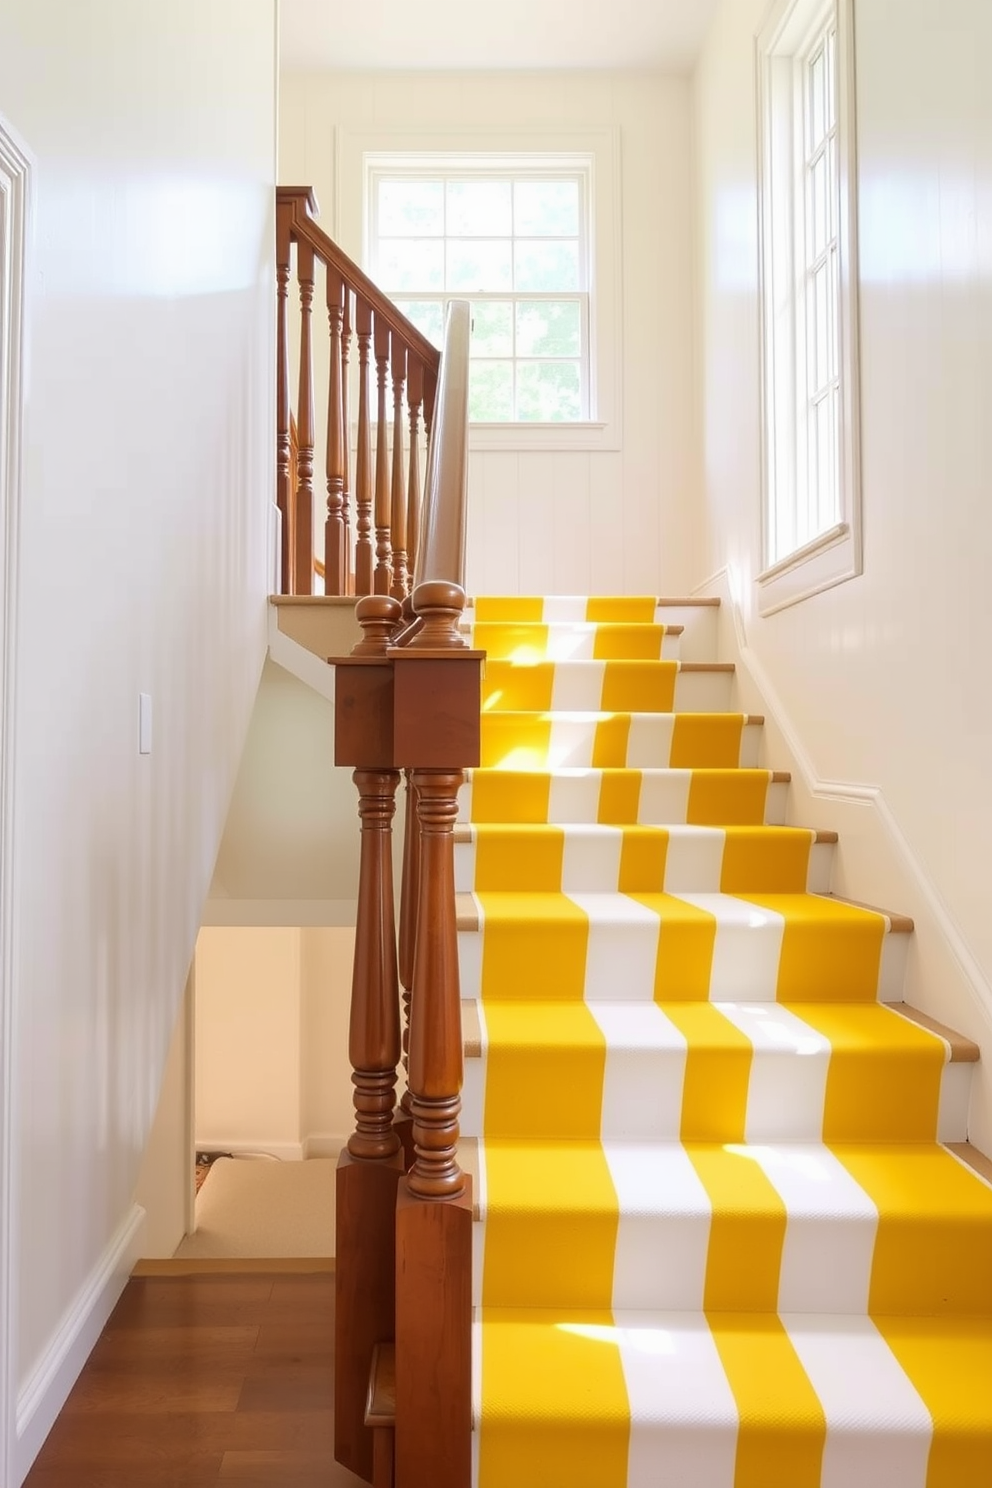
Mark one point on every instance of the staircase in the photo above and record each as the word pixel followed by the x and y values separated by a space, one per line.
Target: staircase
pixel 725 1236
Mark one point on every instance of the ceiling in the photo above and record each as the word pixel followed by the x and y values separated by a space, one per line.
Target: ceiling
pixel 469 34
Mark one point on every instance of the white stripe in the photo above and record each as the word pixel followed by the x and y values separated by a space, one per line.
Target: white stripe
pixel 878 1429
pixel 683 1428
pixel 465 866
pixel 591 859
pixel 470 956
pixel 787 1088
pixel 574 796
pixel 663 1233
pixel 830 1231
pixel 571 643
pixel 747 949
pixel 465 800
pixel 471 1119
pixel 572 740
pixel 649 744
pixel 577 686
pixel 564 607
pixel 664 797
pixel 622 948
pixel 645 1070
pixel 694 859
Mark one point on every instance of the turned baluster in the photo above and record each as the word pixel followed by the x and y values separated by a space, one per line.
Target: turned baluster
pixel 346 517
pixel 334 546
pixel 383 570
pixel 398 588
pixel 414 399
pixel 284 220
pixel 303 523
pixel 409 904
pixel 363 455
pixel 372 1164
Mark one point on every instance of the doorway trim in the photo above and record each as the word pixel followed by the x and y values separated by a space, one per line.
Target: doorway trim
pixel 16 168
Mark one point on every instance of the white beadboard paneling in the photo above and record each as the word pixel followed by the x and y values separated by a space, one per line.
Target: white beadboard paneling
pixel 641 492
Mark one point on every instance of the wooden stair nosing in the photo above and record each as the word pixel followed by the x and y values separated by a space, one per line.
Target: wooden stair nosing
pixel 975 1160
pixel 462 832
pixel 963 1049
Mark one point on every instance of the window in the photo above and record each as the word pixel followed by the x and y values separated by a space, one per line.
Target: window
pixel 515 243
pixel 524 222
pixel 809 340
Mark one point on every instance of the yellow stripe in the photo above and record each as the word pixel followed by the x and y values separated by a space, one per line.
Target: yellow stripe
pixel 831 952
pixel 933 1249
pixel 518 640
pixel 523 689
pixel 639 686
pixel 747 1231
pixel 628 642
pixel 782 1426
pixel 717 1071
pixel 510 795
pixel 510 607
pixel 515 740
pixel 524 859
pixel 765 858
pixel 544 1071
pixel 883 1082
pixel 554 1405
pixel 727 798
pixel 685 948
pixel 949 1362
pixel 533 947
pixel 609 750
pixel 710 741
pixel 637 608
pixel 619 797
pixel 552 1216
pixel 643 853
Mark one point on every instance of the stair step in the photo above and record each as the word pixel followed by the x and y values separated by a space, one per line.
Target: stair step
pixel 608 686
pixel 641 1398
pixel 557 740
pixel 760 947
pixel 524 642
pixel 653 797
pixel 711 1072
pixel 590 858
pixel 880 1228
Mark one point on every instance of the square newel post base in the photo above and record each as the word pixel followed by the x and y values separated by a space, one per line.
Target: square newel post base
pixel 365 1294
pixel 434 1341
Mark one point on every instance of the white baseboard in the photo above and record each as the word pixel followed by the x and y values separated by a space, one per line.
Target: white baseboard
pixel 258 1147
pixel 950 982
pixel 47 1388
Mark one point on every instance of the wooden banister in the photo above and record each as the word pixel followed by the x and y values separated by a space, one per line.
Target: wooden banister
pixel 403 358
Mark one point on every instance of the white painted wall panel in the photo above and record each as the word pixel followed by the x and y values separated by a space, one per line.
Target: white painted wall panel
pixel 881 678
pixel 529 510
pixel 143 567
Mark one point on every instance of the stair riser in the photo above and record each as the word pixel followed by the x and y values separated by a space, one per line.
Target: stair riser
pixel 664 798
pixel 694 860
pixel 583 687
pixel 621 963
pixel 525 643
pixel 636 741
pixel 699 622
pixel 642 1092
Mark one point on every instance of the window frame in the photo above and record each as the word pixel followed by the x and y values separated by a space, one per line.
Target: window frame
pixel 473 169
pixel 361 152
pixel 790 32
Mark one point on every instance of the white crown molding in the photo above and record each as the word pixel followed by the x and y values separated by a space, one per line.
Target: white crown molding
pixel 16 167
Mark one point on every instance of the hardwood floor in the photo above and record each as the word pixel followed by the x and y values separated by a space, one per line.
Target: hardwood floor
pixel 204 1379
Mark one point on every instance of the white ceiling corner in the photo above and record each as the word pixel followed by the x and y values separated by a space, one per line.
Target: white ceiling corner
pixel 477 34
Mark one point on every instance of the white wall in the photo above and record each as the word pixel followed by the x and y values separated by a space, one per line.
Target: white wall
pixel 882 679
pixel 272 1067
pixel 165 1185
pixel 560 521
pixel 143 566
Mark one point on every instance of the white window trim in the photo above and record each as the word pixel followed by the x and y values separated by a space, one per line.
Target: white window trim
pixel 601 147
pixel 836 554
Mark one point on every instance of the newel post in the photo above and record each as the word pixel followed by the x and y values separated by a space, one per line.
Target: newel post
pixel 436 729
pixel 369 1169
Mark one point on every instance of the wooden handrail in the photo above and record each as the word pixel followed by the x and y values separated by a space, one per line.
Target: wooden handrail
pixel 386 491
